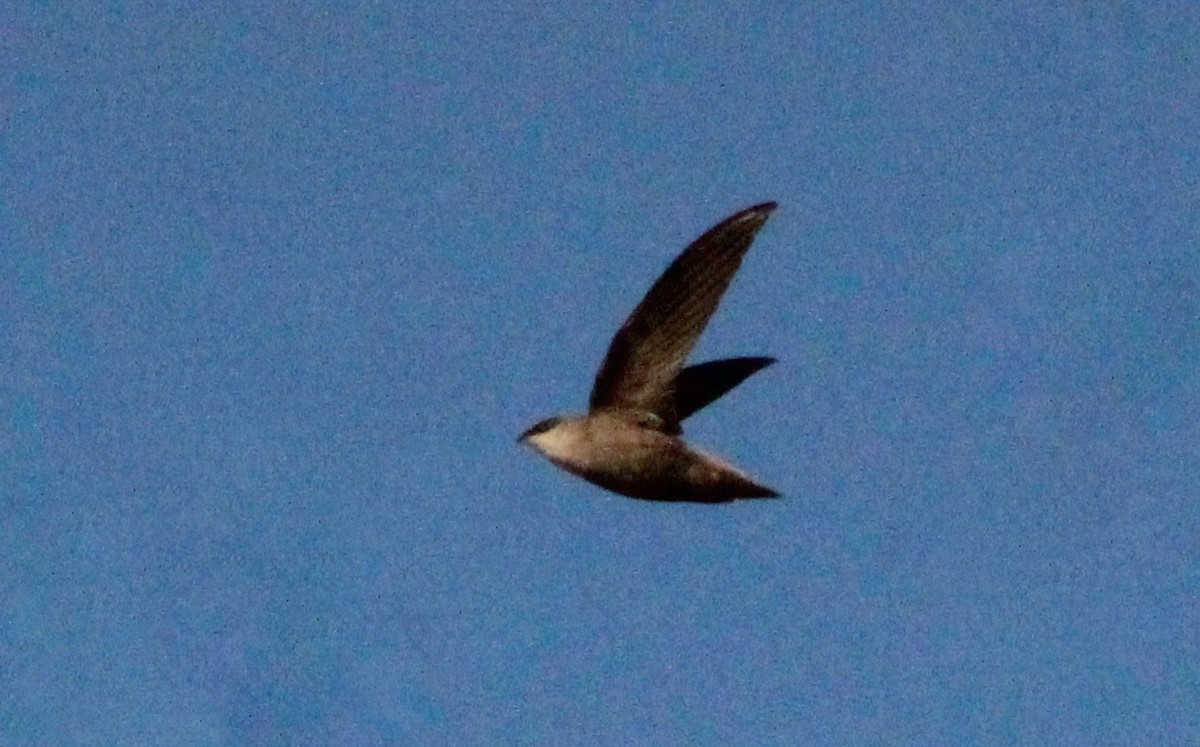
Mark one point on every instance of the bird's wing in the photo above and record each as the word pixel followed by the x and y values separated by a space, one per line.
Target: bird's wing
pixel 698 386
pixel 649 350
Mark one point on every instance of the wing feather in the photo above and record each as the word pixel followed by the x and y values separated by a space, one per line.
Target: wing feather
pixel 652 345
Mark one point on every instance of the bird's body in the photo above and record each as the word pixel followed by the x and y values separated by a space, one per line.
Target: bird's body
pixel 629 441
pixel 618 452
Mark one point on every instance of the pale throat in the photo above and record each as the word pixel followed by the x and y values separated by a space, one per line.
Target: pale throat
pixel 558 442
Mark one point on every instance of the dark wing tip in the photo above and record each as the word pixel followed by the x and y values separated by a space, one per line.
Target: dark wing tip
pixel 759 213
pixel 758 490
pixel 756 214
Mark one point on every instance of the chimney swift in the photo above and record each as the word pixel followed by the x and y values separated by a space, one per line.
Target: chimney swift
pixel 630 441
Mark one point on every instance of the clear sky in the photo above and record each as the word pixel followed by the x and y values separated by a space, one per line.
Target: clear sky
pixel 279 288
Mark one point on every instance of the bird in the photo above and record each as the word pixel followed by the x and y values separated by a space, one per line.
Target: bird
pixel 630 440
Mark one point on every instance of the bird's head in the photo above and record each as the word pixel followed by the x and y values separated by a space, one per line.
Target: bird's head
pixel 539 428
pixel 559 438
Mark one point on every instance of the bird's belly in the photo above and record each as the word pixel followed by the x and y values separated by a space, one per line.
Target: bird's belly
pixel 647 464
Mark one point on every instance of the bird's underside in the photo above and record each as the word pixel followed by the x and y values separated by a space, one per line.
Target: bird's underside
pixel 639 460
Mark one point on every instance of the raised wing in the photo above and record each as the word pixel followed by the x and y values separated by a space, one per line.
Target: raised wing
pixel 649 350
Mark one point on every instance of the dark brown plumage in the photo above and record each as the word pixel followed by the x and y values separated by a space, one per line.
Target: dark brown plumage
pixel 652 345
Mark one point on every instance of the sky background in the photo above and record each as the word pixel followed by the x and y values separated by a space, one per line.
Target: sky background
pixel 279 287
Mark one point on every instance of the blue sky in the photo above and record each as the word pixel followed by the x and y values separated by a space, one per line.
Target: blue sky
pixel 280 287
